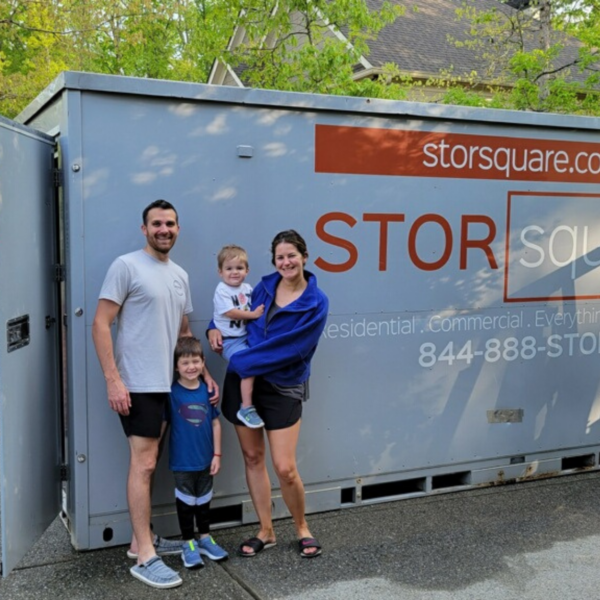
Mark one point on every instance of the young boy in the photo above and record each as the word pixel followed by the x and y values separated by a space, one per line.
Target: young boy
pixel 231 310
pixel 194 452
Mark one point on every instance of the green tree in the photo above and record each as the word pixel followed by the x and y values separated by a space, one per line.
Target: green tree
pixel 289 45
pixel 296 45
pixel 31 54
pixel 543 57
pixel 169 39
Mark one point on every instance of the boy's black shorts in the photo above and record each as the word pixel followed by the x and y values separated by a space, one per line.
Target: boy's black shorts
pixel 194 487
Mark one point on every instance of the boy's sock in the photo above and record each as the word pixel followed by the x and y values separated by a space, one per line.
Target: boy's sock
pixel 202 513
pixel 185 516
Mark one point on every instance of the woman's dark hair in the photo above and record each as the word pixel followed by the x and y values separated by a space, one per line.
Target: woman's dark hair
pixel 289 236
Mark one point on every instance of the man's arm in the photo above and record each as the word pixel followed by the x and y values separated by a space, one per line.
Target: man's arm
pixel 118 395
pixel 213 389
pixel 185 330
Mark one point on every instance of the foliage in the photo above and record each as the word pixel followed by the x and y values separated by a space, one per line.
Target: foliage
pixel 168 39
pixel 28 56
pixel 293 48
pixel 544 58
pixel 529 61
pixel 286 45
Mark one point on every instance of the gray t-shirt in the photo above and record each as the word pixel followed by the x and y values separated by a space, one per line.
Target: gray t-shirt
pixel 154 296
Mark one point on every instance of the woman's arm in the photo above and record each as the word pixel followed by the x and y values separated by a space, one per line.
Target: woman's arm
pixel 215 338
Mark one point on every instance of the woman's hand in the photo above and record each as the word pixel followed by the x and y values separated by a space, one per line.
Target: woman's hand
pixel 215 340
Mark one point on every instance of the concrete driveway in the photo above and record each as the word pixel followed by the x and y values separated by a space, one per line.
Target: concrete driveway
pixel 529 541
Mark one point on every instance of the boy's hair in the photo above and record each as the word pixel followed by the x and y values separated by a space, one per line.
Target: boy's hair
pixel 232 252
pixel 188 346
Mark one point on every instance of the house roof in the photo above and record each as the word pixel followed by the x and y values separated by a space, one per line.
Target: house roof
pixel 418 41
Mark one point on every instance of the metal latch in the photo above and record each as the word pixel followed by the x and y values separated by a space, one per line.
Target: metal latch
pixel 59 273
pixel 57 177
pixel 65 473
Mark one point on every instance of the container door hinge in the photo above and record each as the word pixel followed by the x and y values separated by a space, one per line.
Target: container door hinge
pixel 57 176
pixel 65 474
pixel 59 273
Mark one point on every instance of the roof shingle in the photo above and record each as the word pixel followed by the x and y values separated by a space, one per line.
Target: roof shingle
pixel 418 42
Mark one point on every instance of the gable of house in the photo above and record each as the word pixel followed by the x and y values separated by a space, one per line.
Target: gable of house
pixel 421 44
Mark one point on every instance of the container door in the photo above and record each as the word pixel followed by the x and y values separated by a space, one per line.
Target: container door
pixel 29 408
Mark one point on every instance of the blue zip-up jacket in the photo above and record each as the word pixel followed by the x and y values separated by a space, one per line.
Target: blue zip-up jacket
pixel 281 350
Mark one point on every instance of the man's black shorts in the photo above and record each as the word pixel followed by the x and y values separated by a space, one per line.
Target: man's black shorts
pixel 146 414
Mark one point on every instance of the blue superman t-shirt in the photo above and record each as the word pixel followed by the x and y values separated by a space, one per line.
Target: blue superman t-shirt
pixel 191 444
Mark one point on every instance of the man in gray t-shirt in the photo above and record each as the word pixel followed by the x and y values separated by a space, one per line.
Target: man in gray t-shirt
pixel 149 296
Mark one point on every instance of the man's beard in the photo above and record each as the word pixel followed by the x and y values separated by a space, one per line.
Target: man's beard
pixel 161 249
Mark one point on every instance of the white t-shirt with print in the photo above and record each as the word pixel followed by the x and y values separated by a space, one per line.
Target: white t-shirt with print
pixel 227 298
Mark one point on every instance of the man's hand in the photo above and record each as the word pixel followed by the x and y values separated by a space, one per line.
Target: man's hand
pixel 213 388
pixel 118 397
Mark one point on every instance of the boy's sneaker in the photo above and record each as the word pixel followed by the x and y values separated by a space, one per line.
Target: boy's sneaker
pixel 249 417
pixel 156 574
pixel 211 549
pixel 165 547
pixel 191 556
pixel 162 546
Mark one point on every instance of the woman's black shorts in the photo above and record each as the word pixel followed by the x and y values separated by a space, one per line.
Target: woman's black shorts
pixel 277 410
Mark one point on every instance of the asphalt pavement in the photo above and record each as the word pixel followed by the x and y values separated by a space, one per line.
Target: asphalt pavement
pixel 527 541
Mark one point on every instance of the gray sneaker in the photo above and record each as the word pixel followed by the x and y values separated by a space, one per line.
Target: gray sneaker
pixel 163 547
pixel 156 574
